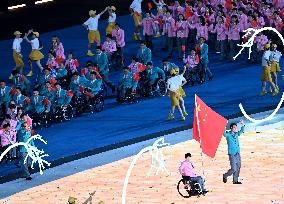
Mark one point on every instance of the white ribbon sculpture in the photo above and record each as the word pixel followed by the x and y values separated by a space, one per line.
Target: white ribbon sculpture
pixel 157 158
pixel 249 44
pixel 33 152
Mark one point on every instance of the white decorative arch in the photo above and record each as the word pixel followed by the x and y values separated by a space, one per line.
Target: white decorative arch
pixel 151 148
pixel 33 152
pixel 249 44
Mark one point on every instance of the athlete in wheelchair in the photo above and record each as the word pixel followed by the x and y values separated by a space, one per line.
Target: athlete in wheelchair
pixel 62 109
pixel 193 73
pixel 152 81
pixel 93 93
pixel 79 99
pixel 190 182
pixel 127 86
pixel 40 110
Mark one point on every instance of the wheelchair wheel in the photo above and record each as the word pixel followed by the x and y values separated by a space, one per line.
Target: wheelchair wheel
pixel 104 90
pixel 185 193
pixel 99 104
pixel 67 112
pixel 161 88
pixel 46 122
pixel 58 115
pixel 79 104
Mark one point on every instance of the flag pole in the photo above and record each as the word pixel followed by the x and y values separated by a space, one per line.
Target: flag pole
pixel 200 141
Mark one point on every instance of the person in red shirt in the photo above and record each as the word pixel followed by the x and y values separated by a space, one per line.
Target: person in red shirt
pixel 186 169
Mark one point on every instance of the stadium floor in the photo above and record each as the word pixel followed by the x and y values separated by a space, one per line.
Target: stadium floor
pixel 120 125
pixel 261 176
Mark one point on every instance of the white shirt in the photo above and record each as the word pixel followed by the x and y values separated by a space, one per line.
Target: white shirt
pixel 17 44
pixel 92 23
pixel 136 6
pixel 112 18
pixel 275 56
pixel 266 58
pixel 35 44
pixel 175 82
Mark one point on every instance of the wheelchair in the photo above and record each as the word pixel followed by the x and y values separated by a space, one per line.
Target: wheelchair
pixel 41 119
pixel 193 76
pixel 130 97
pixel 188 188
pixel 159 88
pixel 63 113
pixel 95 103
pixel 78 102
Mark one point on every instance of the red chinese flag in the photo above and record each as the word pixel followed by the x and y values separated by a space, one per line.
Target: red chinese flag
pixel 208 127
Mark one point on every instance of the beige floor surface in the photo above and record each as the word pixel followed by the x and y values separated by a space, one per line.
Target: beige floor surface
pixel 262 175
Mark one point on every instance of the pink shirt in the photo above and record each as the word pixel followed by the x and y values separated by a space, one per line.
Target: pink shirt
pixel 261 41
pixel 176 10
pixel 148 26
pixel 72 65
pixel 181 27
pixel 202 31
pixel 260 22
pixel 6 137
pixel 234 32
pixel 118 34
pixel 199 11
pixel 109 47
pixel 186 169
pixel 191 61
pixel 212 18
pixel 51 62
pixel 169 28
pixel 243 22
pixel 221 31
pixel 60 51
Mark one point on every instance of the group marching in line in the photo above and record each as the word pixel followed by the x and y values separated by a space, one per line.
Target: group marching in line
pixel 193 27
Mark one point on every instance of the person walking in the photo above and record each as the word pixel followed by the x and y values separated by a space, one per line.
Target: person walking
pixel 232 138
